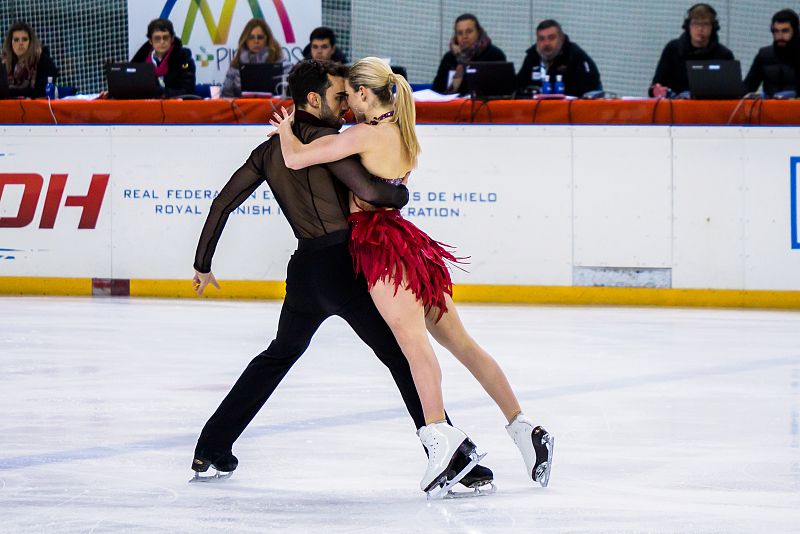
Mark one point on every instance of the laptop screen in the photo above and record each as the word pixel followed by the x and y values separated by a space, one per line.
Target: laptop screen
pixel 715 79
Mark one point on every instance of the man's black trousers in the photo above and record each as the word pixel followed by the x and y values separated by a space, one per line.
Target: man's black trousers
pixel 319 283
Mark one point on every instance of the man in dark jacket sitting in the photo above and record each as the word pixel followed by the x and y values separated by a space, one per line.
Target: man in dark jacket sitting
pixel 174 64
pixel 469 43
pixel 776 65
pixel 699 41
pixel 555 55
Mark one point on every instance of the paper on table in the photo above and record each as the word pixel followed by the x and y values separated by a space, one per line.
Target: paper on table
pixel 429 95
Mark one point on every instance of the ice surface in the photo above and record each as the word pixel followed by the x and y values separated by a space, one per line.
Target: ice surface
pixel 665 421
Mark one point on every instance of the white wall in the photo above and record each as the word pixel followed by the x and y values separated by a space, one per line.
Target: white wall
pixel 529 204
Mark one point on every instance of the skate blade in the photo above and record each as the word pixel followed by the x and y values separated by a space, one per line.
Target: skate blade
pixel 479 491
pixel 439 492
pixel 542 476
pixel 216 477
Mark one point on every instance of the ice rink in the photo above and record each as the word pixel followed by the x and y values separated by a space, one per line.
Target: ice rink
pixel 666 420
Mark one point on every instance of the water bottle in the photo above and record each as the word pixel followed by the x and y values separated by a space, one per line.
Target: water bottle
pixel 50 89
pixel 547 87
pixel 559 87
pixel 536 75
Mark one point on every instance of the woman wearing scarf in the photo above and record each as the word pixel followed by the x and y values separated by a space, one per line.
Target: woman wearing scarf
pixel 256 45
pixel 27 62
pixel 469 43
pixel 174 64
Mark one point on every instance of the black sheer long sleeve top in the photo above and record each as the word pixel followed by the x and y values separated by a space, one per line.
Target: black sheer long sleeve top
pixel 315 200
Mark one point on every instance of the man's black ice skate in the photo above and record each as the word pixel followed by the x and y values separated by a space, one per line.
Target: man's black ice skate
pixel 223 463
pixel 479 479
pixel 536 446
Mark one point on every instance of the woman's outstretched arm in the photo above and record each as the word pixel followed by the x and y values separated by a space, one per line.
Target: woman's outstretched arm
pixel 296 155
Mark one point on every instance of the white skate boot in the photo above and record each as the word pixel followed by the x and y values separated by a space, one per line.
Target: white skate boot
pixel 536 446
pixel 446 446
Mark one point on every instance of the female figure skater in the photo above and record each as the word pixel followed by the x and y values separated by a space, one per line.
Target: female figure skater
pixel 406 271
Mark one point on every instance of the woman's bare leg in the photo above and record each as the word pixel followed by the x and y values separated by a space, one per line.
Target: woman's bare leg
pixel 450 333
pixel 405 316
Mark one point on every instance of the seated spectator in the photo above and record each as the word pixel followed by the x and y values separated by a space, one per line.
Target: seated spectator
pixel 469 43
pixel 27 62
pixel 699 41
pixel 554 54
pixel 256 45
pixel 174 64
pixel 322 45
pixel 776 65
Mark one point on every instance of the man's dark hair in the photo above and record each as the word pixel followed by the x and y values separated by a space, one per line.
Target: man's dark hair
pixel 160 25
pixel 311 76
pixel 549 23
pixel 784 16
pixel 323 32
pixel 473 18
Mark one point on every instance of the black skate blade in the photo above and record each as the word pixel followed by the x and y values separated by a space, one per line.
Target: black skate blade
pixel 216 477
pixel 440 492
pixel 542 472
pixel 477 491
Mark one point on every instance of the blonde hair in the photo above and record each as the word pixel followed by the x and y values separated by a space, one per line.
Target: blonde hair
pixel 374 74
pixel 275 54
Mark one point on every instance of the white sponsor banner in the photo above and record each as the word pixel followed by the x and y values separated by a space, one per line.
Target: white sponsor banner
pixel 211 28
pixel 530 205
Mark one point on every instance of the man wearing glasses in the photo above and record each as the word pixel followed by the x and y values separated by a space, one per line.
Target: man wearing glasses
pixel 776 65
pixel 699 41
pixel 174 65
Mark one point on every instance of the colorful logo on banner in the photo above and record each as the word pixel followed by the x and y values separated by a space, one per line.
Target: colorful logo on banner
pixel 794 162
pixel 219 30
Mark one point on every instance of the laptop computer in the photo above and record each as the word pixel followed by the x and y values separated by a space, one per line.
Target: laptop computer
pixel 3 81
pixel 715 79
pixel 130 81
pixel 490 79
pixel 261 77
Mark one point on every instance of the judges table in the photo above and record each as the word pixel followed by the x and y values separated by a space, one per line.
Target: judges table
pixel 257 111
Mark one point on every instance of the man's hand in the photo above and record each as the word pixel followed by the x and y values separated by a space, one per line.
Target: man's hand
pixel 201 280
pixel 659 91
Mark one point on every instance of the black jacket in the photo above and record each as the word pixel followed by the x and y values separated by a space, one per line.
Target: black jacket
pixel 580 74
pixel 671 69
pixel 180 77
pixel 449 62
pixel 776 68
pixel 44 69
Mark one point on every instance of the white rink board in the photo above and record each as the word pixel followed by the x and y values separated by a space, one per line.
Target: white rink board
pixel 526 203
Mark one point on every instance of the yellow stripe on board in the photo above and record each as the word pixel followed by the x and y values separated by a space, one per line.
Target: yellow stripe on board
pixel 231 289
pixel 627 296
pixel 253 289
pixel 13 285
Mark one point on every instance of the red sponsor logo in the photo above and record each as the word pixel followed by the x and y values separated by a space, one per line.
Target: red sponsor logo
pixel 33 184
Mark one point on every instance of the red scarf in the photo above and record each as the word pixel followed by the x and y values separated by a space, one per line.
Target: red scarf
pixel 161 68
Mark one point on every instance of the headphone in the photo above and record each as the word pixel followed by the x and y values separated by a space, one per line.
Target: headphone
pixel 688 19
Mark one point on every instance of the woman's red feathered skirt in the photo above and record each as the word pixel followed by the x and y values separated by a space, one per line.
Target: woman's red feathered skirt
pixel 384 244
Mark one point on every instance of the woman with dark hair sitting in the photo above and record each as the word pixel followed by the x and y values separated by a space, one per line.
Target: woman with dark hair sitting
pixel 256 45
pixel 27 62
pixel 174 64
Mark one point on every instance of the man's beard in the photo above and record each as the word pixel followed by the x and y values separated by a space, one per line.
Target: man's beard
pixel 549 56
pixel 327 115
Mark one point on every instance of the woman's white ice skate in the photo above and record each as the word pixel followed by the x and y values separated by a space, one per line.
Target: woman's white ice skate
pixel 536 446
pixel 444 444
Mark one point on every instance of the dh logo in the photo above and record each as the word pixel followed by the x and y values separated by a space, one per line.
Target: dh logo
pixel 32 185
pixel 794 162
pixel 219 30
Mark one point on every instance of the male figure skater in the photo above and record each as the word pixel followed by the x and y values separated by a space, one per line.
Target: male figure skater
pixel 319 280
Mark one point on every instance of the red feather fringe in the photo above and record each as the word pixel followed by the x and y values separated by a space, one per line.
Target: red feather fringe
pixel 383 243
